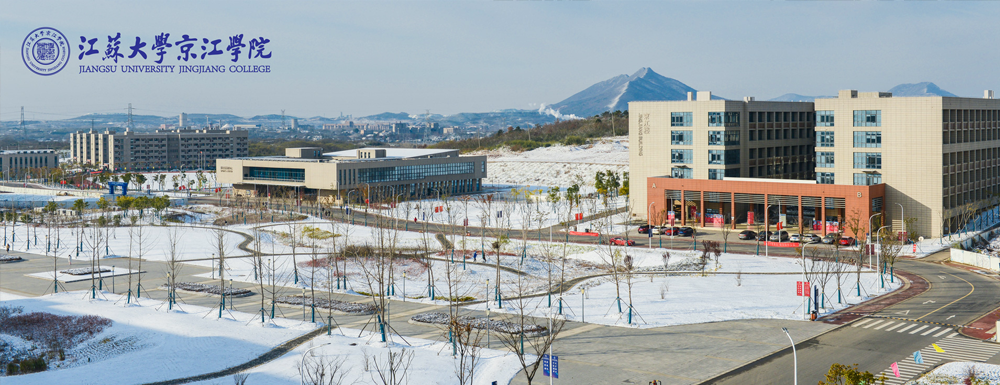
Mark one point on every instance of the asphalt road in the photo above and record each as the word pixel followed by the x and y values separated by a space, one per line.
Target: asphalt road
pixel 956 297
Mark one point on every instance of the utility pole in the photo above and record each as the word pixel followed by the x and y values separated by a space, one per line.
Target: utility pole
pixel 283 120
pixel 23 131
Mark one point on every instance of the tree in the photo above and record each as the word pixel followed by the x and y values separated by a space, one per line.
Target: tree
pixel 140 179
pixel 624 189
pixel 599 183
pixel 850 375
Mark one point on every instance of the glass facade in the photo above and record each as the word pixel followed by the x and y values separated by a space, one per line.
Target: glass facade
pixel 724 156
pixel 681 156
pixel 681 119
pixel 824 177
pixel 824 159
pixel 867 179
pixel 724 138
pixel 685 137
pixel 824 138
pixel 414 172
pixel 715 173
pixel 867 118
pixel 824 118
pixel 682 173
pixel 723 119
pixel 278 174
pixel 871 139
pixel 870 160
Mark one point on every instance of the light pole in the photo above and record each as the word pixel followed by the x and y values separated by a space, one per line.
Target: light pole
pixel 649 213
pixel 805 299
pixel 878 262
pixel 868 239
pixel 902 217
pixel 302 381
pixel 767 228
pixel 795 358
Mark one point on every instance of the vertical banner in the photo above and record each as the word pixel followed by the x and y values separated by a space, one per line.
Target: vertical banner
pixel 749 217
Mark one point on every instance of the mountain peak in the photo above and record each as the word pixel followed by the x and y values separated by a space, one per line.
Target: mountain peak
pixel 920 89
pixel 615 93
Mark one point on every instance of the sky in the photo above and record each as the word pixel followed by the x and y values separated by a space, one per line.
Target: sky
pixel 367 57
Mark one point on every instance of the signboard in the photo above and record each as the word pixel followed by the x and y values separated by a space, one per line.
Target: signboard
pixel 716 220
pixel 671 216
pixel 749 217
pixel 550 366
pixel 579 216
pixel 802 289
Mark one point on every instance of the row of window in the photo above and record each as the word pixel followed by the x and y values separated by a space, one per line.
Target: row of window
pixel 413 172
pixel 778 134
pixel 714 156
pixel 716 174
pixel 780 117
pixel 767 152
pixel 860 178
pixel 715 138
pixel 862 139
pixel 732 118
pixel 867 160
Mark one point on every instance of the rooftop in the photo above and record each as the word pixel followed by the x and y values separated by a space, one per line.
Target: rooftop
pixel 392 152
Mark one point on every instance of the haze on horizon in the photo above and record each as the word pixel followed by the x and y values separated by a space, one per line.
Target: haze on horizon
pixel 363 58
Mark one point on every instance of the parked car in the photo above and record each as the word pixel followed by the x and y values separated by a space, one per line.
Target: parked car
pixel 829 239
pixel 644 229
pixel 795 237
pixel 763 235
pixel 778 236
pixel 811 238
pixel 657 230
pixel 622 242
pixel 747 235
pixel 847 241
pixel 685 232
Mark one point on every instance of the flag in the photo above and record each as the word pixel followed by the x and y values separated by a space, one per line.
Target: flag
pixel 895 369
pixel 917 357
pixel 937 348
pixel 779 226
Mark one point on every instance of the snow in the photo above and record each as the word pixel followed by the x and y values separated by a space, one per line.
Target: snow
pixel 954 373
pixel 557 165
pixel 148 343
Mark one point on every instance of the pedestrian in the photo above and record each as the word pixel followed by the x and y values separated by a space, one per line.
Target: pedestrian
pixel 474 256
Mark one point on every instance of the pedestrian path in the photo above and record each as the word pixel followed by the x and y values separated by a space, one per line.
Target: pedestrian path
pixel 913 328
pixel 948 349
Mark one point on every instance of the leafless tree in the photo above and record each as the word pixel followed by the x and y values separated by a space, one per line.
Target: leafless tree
pixel 468 342
pixel 240 378
pixel 529 347
pixel 319 370
pixel 393 370
pixel 174 236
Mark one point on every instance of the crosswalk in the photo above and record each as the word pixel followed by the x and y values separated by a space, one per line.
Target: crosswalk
pixel 908 327
pixel 950 348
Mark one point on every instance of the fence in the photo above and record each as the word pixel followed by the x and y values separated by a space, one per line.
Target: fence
pixel 975 259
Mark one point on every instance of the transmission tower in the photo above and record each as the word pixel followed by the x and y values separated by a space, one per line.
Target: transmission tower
pixel 23 131
pixel 129 125
pixel 283 126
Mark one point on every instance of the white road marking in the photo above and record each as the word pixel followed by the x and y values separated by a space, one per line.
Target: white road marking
pixel 929 331
pixel 904 329
pixel 895 326
pixel 920 328
pixel 873 324
pixel 884 325
pixel 856 324
pixel 942 332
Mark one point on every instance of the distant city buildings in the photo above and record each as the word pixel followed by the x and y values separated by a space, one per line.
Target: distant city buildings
pixel 17 163
pixel 159 150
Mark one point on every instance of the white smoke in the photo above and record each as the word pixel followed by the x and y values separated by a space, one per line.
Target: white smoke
pixel 542 109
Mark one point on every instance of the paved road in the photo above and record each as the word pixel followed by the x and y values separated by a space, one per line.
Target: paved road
pixel 956 297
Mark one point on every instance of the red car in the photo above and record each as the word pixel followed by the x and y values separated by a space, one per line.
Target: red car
pixel 847 241
pixel 622 242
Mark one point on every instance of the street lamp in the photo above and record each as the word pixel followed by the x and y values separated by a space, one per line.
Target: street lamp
pixel 902 216
pixel 767 228
pixel 649 213
pixel 868 239
pixel 795 358
pixel 302 362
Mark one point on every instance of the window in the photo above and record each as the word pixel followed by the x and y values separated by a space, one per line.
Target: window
pixel 681 156
pixel 824 138
pixel 681 173
pixel 753 137
pixel 715 119
pixel 278 174
pixel 732 119
pixel 716 157
pixel 867 118
pixel 753 153
pixel 714 173
pixel 733 172
pixel 715 138
pixel 733 156
pixel 824 159
pixel 871 139
pixel 867 179
pixel 824 118
pixel 681 119
pixel 824 177
pixel 414 172
pixel 732 138
pixel 753 117
pixel 872 160
pixel 681 137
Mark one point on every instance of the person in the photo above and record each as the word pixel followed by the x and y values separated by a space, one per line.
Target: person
pixel 474 255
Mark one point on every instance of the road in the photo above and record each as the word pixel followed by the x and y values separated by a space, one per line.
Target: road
pixel 956 297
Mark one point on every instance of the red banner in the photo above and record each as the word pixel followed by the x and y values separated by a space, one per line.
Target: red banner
pixel 716 220
pixel 802 289
pixel 749 217
pixel 583 233
pixel 579 216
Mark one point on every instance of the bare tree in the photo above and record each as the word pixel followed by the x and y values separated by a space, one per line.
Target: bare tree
pixel 174 235
pixel 393 370
pixel 529 348
pixel 468 341
pixel 319 370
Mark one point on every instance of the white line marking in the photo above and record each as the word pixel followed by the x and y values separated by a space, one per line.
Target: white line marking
pixel 952 335
pixel 942 332
pixel 856 324
pixel 920 328
pixel 884 325
pixel 895 326
pixel 904 329
pixel 873 324
pixel 929 331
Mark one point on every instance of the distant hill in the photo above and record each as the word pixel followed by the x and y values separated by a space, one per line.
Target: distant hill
pixel 568 132
pixel 920 89
pixel 615 93
pixel 387 116
pixel 797 98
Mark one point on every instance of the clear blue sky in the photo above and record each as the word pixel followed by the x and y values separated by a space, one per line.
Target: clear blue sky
pixel 364 57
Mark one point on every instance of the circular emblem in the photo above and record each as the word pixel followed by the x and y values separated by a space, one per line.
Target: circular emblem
pixel 45 51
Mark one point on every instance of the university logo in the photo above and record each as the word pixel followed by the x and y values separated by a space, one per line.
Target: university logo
pixel 45 51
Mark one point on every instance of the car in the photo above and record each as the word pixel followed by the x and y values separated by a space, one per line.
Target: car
pixel 811 238
pixel 685 232
pixel 795 237
pixel 763 235
pixel 617 241
pixel 847 241
pixel 747 235
pixel 829 239
pixel 644 229
pixel 778 236
pixel 657 230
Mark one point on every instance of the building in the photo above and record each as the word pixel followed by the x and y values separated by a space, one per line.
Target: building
pixel 17 163
pixel 159 150
pixel 385 173
pixel 183 121
pixel 939 163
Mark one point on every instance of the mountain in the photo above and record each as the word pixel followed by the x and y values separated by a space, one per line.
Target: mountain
pixel 920 89
pixel 387 116
pixel 797 98
pixel 615 93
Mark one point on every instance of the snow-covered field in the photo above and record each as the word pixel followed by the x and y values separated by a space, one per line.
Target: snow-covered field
pixel 557 165
pixel 146 344
pixel 955 373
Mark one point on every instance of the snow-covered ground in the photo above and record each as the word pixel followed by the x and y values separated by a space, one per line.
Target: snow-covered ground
pixel 662 300
pixel 955 373
pixel 152 344
pixel 557 165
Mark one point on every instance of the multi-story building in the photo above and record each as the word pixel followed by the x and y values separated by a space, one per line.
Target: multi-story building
pixel 163 149
pixel 376 172
pixel 938 157
pixel 17 163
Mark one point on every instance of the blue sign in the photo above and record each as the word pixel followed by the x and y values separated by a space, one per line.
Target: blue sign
pixel 45 51
pixel 550 366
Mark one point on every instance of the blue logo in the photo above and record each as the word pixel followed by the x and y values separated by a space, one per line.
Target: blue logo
pixel 45 51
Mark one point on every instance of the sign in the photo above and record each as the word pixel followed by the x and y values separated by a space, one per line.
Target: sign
pixel 715 220
pixel 802 289
pixel 550 366
pixel 579 216
pixel 465 222
pixel 499 214
pixel 749 217
pixel 671 216
pixel 779 226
